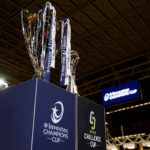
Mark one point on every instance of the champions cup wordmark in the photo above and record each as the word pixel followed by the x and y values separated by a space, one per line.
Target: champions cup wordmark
pixel 118 94
pixel 55 133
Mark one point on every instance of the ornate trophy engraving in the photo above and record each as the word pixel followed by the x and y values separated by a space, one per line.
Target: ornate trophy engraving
pixel 72 87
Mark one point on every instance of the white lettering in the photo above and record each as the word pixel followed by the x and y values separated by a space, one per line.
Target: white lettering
pixel 92 137
pixel 118 94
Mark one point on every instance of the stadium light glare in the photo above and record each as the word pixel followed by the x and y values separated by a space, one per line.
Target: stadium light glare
pixel 146 144
pixel 3 83
pixel 111 147
pixel 129 146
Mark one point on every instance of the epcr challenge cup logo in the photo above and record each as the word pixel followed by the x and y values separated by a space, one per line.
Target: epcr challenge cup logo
pixel 57 112
pixel 92 120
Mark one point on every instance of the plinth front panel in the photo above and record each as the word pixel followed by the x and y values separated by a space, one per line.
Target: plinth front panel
pixel 54 119
pixel 91 129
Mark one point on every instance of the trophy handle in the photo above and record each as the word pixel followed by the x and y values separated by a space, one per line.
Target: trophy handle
pixel 28 18
pixel 72 87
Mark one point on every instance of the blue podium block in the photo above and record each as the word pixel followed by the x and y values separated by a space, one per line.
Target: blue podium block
pixel 37 115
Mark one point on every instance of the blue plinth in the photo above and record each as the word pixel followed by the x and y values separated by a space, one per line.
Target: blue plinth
pixel 37 115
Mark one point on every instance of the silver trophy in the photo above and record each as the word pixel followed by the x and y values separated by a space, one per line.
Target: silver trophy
pixel 39 30
pixel 39 34
pixel 72 87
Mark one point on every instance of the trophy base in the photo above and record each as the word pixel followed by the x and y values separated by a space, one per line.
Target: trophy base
pixel 37 115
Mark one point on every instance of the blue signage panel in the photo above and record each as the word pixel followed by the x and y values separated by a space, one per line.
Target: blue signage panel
pixel 121 93
pixel 16 115
pixel 54 122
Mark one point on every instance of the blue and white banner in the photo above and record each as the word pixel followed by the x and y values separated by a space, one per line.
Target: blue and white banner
pixel 65 51
pixel 50 59
pixel 121 93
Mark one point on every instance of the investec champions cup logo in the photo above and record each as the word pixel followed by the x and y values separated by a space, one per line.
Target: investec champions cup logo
pixel 56 118
pixel 91 136
pixel 56 134
pixel 119 94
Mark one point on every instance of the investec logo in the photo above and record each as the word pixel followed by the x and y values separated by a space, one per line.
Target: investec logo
pixel 119 94
pixel 91 136
pixel 55 133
